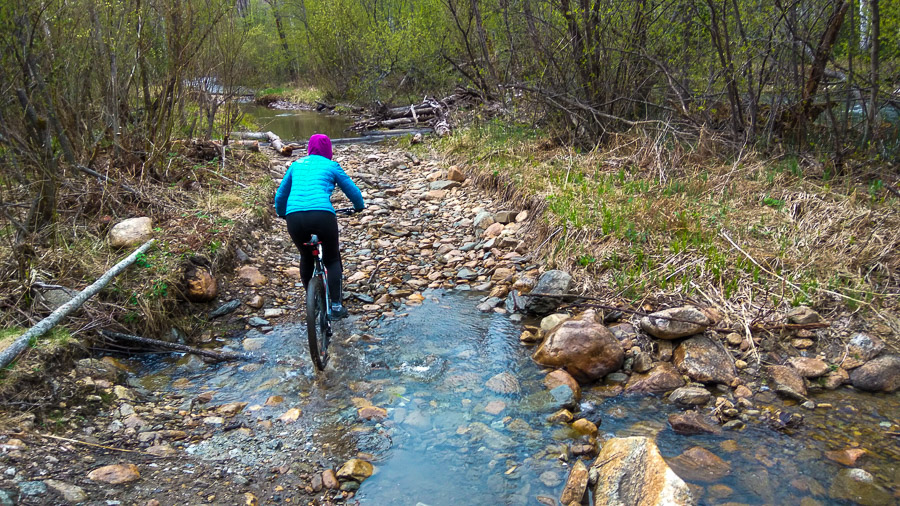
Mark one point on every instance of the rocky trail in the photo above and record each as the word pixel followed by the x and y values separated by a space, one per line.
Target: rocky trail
pixel 438 395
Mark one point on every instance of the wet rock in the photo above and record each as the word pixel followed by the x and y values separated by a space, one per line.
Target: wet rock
pixel 226 308
pixel 662 378
pixel 802 315
pixel 861 348
pixel 859 486
pixel 835 379
pixel 329 480
pixel 878 375
pixel 700 464
pixel 787 382
pixel 257 322
pixel 131 232
pixel 642 363
pixel 290 416
pixel 704 361
pixel 115 474
pixel 250 276
pixel 631 471
pixel 848 456
pixel 71 493
pixel 355 469
pixel 200 284
pixel 691 423
pixel 529 337
pixel 253 343
pixel 503 383
pixel 576 484
pixel 584 426
pixel 809 367
pixel 690 396
pixel 231 409
pixel 551 282
pixel 561 416
pixel 689 321
pixel 585 349
pixel 561 377
pixel 489 305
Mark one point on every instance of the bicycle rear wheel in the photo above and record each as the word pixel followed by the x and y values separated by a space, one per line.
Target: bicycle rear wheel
pixel 317 325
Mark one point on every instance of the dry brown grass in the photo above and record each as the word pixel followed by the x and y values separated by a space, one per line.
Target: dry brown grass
pixel 195 210
pixel 649 217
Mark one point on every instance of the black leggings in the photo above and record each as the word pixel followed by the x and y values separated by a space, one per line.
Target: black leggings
pixel 301 225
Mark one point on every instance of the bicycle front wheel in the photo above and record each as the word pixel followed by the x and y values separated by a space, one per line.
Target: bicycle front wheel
pixel 317 326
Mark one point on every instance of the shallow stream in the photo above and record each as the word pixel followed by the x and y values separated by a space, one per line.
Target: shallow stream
pixel 449 439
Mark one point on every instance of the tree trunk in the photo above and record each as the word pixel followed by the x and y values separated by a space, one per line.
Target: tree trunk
pixel 873 72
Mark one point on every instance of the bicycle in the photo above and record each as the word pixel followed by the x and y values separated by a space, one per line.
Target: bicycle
pixel 318 305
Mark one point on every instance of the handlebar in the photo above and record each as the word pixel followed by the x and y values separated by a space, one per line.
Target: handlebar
pixel 346 211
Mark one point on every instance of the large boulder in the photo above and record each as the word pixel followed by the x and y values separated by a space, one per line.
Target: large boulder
pixel 879 375
pixel 685 321
pixel 661 379
pixel 704 361
pixel 576 484
pixel 584 348
pixel 131 232
pixel 631 471
pixel 553 282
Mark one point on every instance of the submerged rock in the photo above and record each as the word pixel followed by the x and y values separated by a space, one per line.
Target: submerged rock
pixel 631 471
pixel 691 423
pixel 859 486
pixel 687 322
pixel 700 464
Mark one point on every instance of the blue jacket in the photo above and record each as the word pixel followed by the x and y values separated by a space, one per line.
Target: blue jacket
pixel 308 184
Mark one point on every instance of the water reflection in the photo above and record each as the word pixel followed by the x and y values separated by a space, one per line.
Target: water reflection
pixel 299 125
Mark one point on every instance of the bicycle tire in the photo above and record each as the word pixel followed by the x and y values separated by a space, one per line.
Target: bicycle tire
pixel 317 322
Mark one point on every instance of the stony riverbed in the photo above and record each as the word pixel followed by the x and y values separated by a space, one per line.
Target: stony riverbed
pixel 433 396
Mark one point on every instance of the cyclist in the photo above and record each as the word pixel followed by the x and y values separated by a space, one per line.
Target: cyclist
pixel 304 200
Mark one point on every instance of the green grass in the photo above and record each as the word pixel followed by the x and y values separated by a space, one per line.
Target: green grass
pixel 632 227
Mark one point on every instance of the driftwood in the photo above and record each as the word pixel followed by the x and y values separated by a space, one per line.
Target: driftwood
pixel 279 147
pixel 431 112
pixel 156 344
pixel 21 343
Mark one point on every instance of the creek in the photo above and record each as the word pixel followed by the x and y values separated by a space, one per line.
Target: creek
pixel 297 125
pixel 449 439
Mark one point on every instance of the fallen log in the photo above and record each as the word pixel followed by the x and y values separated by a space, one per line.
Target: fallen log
pixel 156 344
pixel 253 136
pixel 276 144
pixel 21 343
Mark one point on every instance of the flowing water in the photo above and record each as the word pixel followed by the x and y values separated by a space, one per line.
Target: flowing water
pixel 440 444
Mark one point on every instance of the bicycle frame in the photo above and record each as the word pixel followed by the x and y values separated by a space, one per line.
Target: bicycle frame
pixel 320 270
